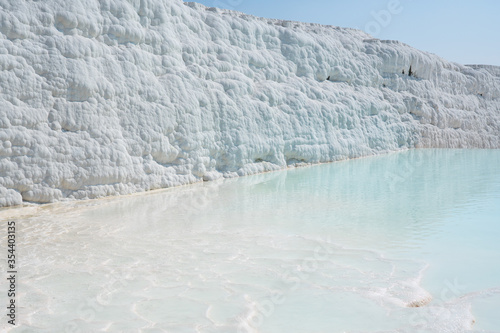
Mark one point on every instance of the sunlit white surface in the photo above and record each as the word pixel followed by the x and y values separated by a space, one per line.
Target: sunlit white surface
pixel 403 242
pixel 110 97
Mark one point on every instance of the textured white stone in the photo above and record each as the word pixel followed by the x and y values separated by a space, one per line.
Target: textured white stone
pixel 112 97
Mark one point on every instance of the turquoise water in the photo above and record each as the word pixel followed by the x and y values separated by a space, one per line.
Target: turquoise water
pixel 405 242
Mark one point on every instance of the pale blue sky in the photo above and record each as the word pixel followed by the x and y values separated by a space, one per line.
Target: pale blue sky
pixel 467 32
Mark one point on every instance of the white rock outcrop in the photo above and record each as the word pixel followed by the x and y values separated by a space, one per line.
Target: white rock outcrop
pixel 111 97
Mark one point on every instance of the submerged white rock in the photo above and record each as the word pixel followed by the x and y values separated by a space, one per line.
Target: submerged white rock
pixel 111 97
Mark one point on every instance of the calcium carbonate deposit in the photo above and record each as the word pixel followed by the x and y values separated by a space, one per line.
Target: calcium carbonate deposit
pixel 112 97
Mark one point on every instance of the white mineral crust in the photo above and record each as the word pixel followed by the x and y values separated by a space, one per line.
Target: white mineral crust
pixel 111 97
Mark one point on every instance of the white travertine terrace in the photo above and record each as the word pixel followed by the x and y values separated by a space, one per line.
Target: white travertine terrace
pixel 112 97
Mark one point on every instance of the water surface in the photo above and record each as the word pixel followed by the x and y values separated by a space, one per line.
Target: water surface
pixel 405 242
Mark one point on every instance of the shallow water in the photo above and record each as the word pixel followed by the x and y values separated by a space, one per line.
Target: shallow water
pixel 405 242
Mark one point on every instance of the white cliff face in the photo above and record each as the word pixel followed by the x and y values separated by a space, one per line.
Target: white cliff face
pixel 111 97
